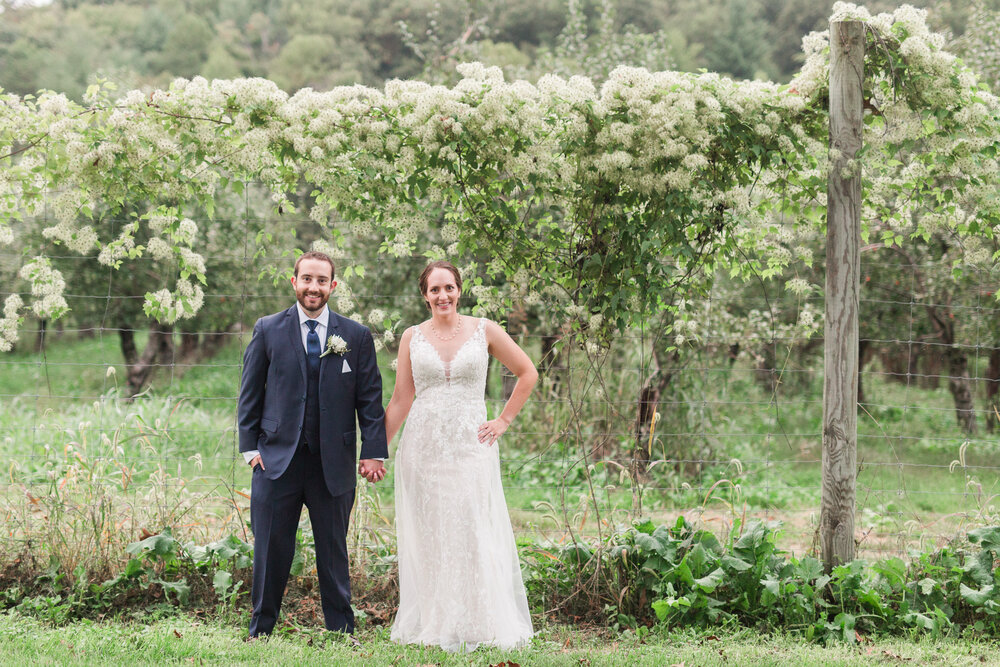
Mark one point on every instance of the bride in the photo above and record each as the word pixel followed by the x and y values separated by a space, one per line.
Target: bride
pixel 459 577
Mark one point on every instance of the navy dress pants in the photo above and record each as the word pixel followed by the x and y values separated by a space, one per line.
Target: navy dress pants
pixel 275 508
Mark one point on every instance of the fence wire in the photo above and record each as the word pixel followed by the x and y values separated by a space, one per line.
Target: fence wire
pixel 738 436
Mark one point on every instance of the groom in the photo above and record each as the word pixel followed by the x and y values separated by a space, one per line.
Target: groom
pixel 306 373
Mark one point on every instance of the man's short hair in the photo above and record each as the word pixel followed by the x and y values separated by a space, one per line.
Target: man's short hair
pixel 321 256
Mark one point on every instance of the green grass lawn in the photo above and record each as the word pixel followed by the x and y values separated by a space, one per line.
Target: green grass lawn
pixel 179 639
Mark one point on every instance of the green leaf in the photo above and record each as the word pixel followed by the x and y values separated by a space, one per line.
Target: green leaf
pixel 843 624
pixel 577 553
pixel 665 606
pixel 919 620
pixel 179 588
pixel 754 543
pixel 647 526
pixel 772 587
pixel 974 597
pixel 157 545
pixel 809 569
pixel 711 581
pixel 222 582
pixel 198 554
pixel 133 568
pixel 298 562
pixel 737 564
pixel 987 537
pixel 893 570
pixel 696 559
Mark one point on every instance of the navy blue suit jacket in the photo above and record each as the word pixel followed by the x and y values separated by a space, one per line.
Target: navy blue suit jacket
pixel 273 398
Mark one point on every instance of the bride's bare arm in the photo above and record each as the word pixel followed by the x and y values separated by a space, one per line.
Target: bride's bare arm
pixel 510 354
pixel 403 391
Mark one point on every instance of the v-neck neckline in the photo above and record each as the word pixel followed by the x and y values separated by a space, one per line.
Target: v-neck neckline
pixel 447 363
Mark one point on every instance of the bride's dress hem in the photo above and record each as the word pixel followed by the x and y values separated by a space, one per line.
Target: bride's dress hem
pixel 467 647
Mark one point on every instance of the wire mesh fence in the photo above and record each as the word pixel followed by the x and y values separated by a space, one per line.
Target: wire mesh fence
pixel 116 421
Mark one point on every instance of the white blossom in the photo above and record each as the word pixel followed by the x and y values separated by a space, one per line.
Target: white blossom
pixel 10 322
pixel 159 249
pixel 798 286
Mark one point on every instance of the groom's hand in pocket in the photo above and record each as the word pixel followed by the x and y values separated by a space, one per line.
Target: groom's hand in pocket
pixel 371 469
pixel 256 461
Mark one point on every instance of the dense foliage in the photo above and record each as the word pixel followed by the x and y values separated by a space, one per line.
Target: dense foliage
pixel 675 576
pixel 323 43
pixel 648 576
pixel 644 186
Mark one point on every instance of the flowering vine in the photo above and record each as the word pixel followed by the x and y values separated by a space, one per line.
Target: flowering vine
pixel 606 204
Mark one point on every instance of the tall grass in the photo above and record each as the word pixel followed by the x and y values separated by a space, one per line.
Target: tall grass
pixel 89 472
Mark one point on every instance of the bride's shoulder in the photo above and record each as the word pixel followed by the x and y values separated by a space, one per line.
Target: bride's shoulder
pixel 490 327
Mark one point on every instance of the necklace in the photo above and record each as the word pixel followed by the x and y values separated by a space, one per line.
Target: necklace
pixel 453 333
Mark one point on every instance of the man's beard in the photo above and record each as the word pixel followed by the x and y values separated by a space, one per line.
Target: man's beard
pixel 323 299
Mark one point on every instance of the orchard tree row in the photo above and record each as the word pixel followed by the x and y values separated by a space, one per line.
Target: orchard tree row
pixel 587 210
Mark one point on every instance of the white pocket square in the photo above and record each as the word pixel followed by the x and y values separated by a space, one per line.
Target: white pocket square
pixel 347 367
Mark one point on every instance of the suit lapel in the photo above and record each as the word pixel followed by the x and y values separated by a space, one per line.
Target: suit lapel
pixel 295 338
pixel 332 329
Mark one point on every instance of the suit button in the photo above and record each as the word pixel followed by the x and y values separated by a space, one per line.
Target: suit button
pixel 303 399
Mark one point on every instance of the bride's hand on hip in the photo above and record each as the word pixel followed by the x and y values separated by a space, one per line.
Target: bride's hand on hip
pixel 492 430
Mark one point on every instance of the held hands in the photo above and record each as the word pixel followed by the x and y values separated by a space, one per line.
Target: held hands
pixel 492 430
pixel 371 469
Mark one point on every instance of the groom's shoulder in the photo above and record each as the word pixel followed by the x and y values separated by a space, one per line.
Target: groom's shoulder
pixel 268 321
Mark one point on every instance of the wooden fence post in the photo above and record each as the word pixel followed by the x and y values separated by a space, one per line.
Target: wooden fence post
pixel 840 367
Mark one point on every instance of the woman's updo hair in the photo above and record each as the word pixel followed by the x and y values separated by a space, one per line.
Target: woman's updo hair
pixel 426 273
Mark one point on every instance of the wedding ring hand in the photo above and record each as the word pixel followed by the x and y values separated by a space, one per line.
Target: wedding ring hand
pixel 489 433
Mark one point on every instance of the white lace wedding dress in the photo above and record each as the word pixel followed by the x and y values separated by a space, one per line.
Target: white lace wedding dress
pixel 459 578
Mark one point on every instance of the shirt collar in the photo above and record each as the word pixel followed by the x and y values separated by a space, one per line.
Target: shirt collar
pixel 322 318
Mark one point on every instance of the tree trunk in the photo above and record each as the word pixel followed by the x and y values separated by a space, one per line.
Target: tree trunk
pixel 993 390
pixel 195 347
pixel 649 397
pixel 894 362
pixel 189 352
pixel 159 351
pixel 960 386
pixel 927 367
pixel 126 338
pixel 211 343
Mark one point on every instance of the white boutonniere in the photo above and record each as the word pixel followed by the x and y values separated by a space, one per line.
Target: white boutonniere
pixel 335 345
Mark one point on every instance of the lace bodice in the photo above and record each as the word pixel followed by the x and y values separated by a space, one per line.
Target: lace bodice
pixel 462 376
